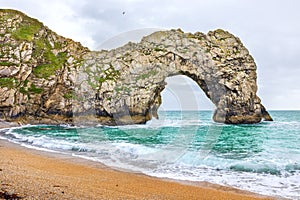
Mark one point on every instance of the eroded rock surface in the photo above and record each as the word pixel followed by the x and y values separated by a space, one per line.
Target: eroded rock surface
pixel 46 78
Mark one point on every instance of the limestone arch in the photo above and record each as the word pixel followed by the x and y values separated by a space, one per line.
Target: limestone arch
pixel 56 79
pixel 218 62
pixel 123 85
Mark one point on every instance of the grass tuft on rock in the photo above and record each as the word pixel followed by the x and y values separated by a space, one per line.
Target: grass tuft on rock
pixel 26 32
pixel 8 82
pixel 35 90
pixel 48 61
pixel 27 29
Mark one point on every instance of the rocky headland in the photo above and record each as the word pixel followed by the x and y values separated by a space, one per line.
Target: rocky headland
pixel 46 78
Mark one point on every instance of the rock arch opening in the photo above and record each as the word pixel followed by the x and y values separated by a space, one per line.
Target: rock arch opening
pixel 183 94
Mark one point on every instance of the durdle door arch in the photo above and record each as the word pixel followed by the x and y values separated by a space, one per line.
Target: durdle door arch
pixel 217 62
pixel 51 79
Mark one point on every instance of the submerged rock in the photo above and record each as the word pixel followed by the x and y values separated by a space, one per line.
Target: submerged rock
pixel 46 78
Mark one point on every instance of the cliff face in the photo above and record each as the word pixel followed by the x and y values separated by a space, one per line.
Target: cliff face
pixel 46 78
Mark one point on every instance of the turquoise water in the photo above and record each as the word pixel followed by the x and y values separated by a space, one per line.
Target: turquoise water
pixel 263 158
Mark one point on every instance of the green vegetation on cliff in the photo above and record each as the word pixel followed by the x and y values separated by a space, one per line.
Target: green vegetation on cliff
pixel 49 58
pixel 31 90
pixel 48 61
pixel 147 75
pixel 8 82
pixel 6 64
pixel 35 90
pixel 95 80
pixel 69 95
pixel 52 64
pixel 27 29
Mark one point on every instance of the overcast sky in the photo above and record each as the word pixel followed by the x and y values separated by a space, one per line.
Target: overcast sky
pixel 270 29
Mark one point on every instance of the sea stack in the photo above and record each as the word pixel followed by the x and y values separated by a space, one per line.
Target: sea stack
pixel 46 78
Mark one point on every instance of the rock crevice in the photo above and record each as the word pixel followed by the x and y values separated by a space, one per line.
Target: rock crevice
pixel 46 78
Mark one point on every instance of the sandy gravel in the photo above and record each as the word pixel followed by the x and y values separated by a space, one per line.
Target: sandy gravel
pixel 31 174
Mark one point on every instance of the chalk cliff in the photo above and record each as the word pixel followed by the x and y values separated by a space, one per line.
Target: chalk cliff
pixel 46 78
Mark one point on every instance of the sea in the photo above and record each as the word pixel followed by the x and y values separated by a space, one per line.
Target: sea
pixel 186 145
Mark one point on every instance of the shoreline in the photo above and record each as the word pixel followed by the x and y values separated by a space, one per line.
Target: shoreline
pixel 32 174
pixel 14 157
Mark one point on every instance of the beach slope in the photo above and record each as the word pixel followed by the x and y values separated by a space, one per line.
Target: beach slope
pixel 31 174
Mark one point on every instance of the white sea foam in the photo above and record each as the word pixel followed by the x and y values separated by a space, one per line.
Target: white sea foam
pixel 86 157
pixel 266 184
pixel 155 124
pixel 3 138
pixel 39 148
